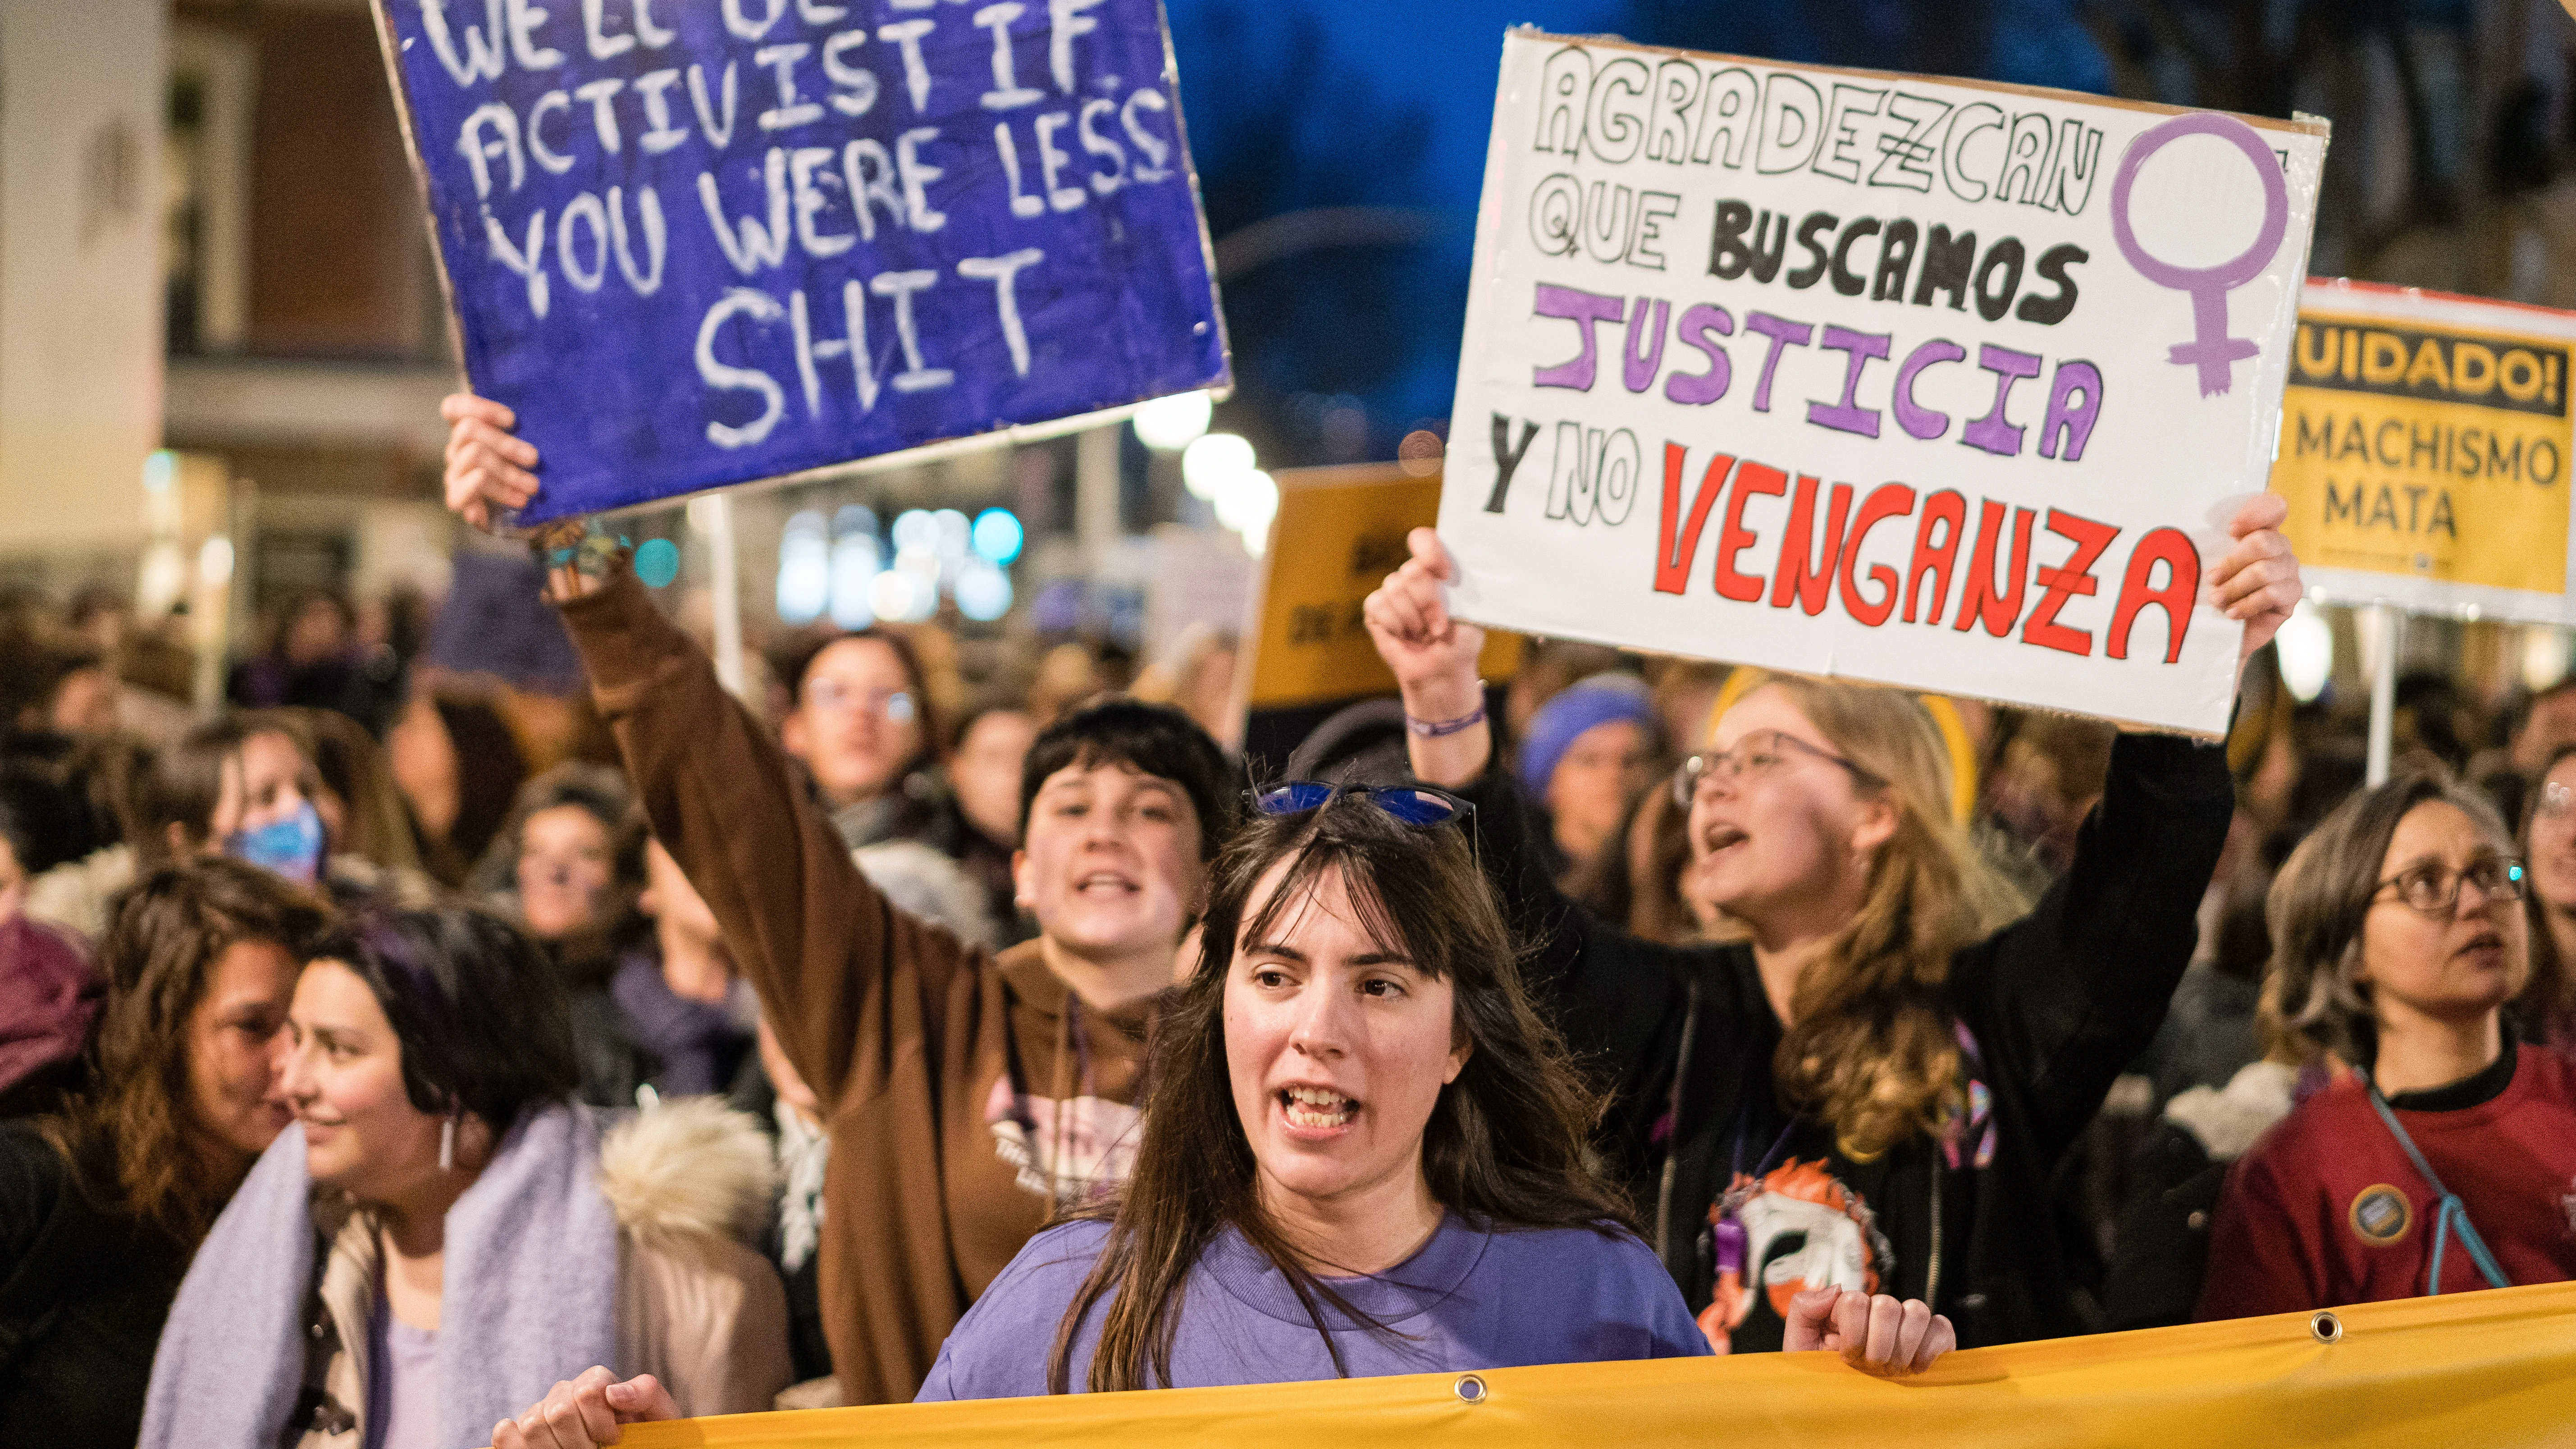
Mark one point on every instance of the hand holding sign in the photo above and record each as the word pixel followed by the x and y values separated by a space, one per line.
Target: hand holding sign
pixel 586 1412
pixel 2257 584
pixel 487 465
pixel 1874 376
pixel 710 244
pixel 1874 1333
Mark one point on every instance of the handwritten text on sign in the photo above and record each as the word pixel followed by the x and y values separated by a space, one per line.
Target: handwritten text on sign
pixel 1923 382
pixel 708 242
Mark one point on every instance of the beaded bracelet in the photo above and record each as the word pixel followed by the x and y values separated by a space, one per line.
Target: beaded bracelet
pixel 1430 729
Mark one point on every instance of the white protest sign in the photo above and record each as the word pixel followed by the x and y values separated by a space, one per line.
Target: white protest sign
pixel 1931 383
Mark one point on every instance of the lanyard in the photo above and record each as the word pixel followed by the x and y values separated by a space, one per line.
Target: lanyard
pixel 2449 1211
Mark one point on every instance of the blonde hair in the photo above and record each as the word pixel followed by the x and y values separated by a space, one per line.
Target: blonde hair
pixel 1871 1047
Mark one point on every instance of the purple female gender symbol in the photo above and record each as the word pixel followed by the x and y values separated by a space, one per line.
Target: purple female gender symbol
pixel 2211 349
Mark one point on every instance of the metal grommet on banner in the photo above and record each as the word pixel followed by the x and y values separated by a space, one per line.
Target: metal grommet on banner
pixel 1470 1389
pixel 2326 1327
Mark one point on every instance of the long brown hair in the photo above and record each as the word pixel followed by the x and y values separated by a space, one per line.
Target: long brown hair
pixel 134 1144
pixel 2320 904
pixel 1870 1049
pixel 1505 1142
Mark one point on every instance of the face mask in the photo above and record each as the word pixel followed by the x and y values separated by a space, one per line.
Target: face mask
pixel 291 847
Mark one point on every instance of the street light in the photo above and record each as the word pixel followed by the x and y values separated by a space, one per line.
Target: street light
pixel 1168 424
pixel 1208 464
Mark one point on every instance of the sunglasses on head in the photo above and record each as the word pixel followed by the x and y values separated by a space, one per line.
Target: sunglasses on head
pixel 1418 806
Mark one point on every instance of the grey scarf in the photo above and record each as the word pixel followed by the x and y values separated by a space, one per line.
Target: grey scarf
pixel 529 1297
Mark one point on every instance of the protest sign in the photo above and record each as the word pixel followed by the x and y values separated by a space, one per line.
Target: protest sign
pixel 2424 446
pixel 2488 1369
pixel 1338 534
pixel 707 243
pixel 1926 382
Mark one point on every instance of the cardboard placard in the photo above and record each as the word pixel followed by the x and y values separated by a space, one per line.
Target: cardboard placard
pixel 701 244
pixel 1339 533
pixel 2424 448
pixel 1937 384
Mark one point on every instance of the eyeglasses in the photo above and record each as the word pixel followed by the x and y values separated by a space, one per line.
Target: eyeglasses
pixel 1757 756
pixel 1418 806
pixel 2434 889
pixel 893 705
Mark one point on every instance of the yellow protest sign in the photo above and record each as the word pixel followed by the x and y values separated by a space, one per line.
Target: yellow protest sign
pixel 1339 533
pixel 2424 449
pixel 2490 1369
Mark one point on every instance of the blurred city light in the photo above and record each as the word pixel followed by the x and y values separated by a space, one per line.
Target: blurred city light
pixel 998 535
pixel 915 528
pixel 1170 423
pixel 1212 460
pixel 804 569
pixel 854 570
pixel 2306 645
pixel 2545 657
pixel 892 594
pixel 983 591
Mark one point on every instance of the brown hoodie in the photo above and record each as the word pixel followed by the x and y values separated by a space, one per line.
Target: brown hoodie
pixel 966 1094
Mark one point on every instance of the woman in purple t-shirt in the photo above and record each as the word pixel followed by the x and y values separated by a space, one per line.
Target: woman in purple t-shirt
pixel 1362 1154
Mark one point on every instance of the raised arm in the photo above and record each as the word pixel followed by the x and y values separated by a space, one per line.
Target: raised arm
pixel 828 954
pixel 1617 999
pixel 2069 995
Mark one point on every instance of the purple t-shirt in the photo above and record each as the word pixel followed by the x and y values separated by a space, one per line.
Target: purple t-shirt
pixel 1471 1299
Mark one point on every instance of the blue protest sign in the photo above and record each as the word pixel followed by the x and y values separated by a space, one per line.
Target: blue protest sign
pixel 701 242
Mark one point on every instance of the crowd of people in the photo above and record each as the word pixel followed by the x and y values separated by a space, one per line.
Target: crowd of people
pixel 387 1064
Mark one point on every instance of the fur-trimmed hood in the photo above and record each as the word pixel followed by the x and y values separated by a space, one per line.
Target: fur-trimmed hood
pixel 690 1165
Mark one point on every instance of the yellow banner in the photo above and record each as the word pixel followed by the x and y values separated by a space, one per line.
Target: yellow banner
pixel 2431 453
pixel 2494 1370
pixel 1339 533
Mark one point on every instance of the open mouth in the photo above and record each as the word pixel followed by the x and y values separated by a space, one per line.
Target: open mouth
pixel 1317 1107
pixel 1102 884
pixel 1721 838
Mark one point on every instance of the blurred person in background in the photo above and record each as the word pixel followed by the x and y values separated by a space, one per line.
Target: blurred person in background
pixel 1590 750
pixel 101 1207
pixel 55 693
pixel 49 996
pixel 2047 774
pixel 444 1232
pixel 316 660
pixel 459 768
pixel 1196 674
pixel 2439 1159
pixel 239 786
pixel 2545 724
pixel 2544 1014
pixel 362 811
pixel 569 867
pixel 683 1000
pixel 1548 667
pixel 1069 675
pixel 1636 877
pixel 984 776
pixel 864 728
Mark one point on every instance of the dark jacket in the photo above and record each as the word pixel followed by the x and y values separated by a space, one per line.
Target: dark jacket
pixel 2053 1006
pixel 82 1297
